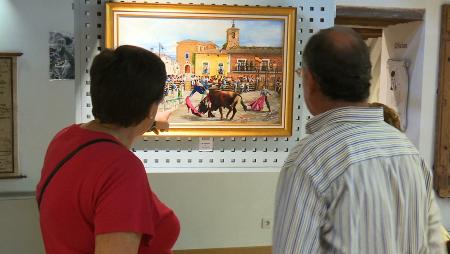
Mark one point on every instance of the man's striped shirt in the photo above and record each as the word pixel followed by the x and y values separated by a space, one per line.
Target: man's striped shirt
pixel 355 185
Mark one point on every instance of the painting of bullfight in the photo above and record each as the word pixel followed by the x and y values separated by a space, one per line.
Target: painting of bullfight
pixel 229 68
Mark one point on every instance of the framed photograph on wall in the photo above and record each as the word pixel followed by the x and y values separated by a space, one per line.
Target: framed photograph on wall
pixel 61 55
pixel 230 68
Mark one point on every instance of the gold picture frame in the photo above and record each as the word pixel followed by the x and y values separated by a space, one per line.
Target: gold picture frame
pixel 243 54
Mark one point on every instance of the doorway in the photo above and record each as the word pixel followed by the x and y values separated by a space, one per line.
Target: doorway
pixel 395 39
pixel 187 68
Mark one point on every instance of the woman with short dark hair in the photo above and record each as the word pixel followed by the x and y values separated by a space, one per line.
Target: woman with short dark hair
pixel 94 196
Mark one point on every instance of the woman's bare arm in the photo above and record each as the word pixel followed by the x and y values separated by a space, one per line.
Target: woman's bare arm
pixel 117 243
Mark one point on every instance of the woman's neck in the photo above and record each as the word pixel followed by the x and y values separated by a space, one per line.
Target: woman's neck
pixel 126 136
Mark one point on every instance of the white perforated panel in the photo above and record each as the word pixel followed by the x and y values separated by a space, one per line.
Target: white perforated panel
pixel 181 154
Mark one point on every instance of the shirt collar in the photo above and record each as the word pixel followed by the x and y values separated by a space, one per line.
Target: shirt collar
pixel 344 114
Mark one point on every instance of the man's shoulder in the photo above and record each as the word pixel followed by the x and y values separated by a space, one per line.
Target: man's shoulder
pixel 354 139
pixel 298 150
pixel 329 152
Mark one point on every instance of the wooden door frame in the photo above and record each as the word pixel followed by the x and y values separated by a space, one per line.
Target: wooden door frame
pixel 442 144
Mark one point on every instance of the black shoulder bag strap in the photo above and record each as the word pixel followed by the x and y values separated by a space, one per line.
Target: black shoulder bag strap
pixel 63 161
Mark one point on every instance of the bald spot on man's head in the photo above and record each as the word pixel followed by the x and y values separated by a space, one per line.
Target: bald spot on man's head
pixel 340 62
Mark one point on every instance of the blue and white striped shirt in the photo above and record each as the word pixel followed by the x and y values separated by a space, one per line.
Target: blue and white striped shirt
pixel 355 185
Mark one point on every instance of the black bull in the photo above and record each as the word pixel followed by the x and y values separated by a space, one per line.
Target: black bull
pixel 218 99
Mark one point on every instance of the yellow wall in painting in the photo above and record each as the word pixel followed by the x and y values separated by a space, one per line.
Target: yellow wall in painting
pixel 213 61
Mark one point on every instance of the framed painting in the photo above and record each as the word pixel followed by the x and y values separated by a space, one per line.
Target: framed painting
pixel 230 69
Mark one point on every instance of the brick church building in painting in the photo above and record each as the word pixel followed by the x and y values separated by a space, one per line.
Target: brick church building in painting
pixel 232 60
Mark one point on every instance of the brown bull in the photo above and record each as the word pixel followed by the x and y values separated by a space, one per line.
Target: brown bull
pixel 218 99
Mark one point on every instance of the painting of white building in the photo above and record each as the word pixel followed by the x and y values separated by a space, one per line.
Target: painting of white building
pixel 172 66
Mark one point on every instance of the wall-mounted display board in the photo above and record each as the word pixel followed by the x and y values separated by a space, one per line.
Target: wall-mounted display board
pixel 442 159
pixel 231 152
pixel 8 135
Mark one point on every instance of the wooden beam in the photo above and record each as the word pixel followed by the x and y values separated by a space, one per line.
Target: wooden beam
pixel 9 54
pixel 367 22
pixel 380 13
pixel 367 33
pixel 376 17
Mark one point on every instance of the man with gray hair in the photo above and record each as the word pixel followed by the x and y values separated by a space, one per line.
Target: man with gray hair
pixel 354 184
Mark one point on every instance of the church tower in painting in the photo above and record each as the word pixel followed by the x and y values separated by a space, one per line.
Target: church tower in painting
pixel 232 37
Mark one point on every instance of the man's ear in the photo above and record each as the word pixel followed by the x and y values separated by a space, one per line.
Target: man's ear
pixel 310 80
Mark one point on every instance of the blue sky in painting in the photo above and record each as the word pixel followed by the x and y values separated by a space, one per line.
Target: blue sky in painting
pixel 150 32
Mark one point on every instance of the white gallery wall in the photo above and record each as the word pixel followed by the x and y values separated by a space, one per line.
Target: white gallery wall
pixel 216 209
pixel 411 36
pixel 44 107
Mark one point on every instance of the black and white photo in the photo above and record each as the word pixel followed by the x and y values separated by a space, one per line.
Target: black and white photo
pixel 61 52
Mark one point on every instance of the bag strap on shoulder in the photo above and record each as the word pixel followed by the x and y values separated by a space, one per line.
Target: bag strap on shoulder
pixel 67 158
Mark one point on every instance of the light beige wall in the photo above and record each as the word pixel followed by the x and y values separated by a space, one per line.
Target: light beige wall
pixel 19 227
pixel 43 108
pixel 215 210
pixel 219 209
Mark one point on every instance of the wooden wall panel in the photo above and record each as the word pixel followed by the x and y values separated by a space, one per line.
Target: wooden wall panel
pixel 442 151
